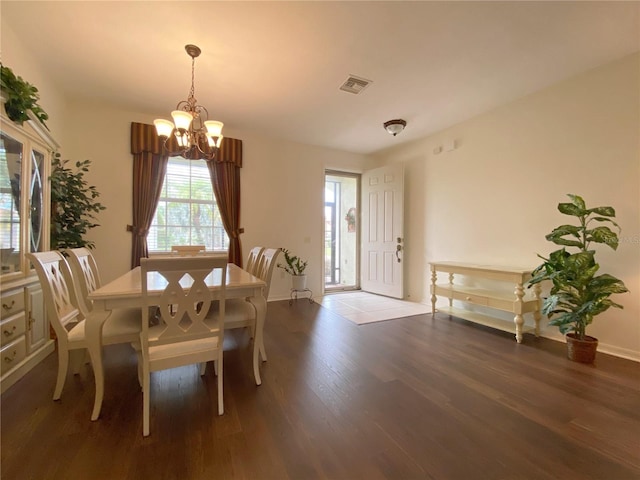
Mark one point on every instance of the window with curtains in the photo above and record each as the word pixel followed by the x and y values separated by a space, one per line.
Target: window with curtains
pixel 187 213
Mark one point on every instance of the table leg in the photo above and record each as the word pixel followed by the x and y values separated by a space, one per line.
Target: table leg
pixel 519 319
pixel 93 335
pixel 536 313
pixel 434 279
pixel 260 305
pixel 451 289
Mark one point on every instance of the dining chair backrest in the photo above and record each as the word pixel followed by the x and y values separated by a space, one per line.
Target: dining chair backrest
pixel 185 300
pixel 85 275
pixel 253 259
pixel 265 267
pixel 183 250
pixel 58 289
pixel 190 331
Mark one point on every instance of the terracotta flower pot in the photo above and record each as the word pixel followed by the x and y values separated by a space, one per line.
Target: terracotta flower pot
pixel 583 351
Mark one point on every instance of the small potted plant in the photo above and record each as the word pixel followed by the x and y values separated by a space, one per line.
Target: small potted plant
pixel 295 267
pixel 577 293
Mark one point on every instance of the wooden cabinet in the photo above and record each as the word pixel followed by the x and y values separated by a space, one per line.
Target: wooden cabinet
pixel 507 293
pixel 38 327
pixel 25 164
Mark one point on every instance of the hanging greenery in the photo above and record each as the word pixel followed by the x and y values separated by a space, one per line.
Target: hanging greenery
pixel 73 204
pixel 20 97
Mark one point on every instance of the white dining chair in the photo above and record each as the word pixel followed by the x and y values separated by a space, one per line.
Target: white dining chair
pixel 182 250
pixel 188 333
pixel 255 254
pixel 86 277
pixel 241 313
pixel 68 322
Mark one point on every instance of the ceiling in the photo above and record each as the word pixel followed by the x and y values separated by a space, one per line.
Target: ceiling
pixel 276 67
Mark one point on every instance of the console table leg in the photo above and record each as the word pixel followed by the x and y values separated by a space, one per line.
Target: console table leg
pixel 536 313
pixel 518 319
pixel 434 278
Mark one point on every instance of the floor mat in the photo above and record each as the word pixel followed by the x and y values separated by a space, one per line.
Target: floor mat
pixel 364 307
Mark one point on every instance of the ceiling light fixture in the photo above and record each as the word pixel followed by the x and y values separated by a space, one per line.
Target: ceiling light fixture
pixel 394 127
pixel 191 125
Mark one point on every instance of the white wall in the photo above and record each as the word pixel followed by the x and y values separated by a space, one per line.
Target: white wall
pixel 21 62
pixel 282 188
pixel 493 199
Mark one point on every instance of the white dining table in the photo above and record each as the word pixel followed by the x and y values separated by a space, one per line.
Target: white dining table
pixel 126 292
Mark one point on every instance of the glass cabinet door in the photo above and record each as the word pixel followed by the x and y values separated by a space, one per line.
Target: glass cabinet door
pixel 36 202
pixel 25 164
pixel 11 153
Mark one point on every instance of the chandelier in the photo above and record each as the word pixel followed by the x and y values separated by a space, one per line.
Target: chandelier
pixel 191 125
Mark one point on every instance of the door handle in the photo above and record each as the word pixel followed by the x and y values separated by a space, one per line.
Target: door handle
pixel 398 250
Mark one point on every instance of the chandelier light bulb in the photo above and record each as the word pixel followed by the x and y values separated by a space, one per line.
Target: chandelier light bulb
pixel 182 119
pixel 164 128
pixel 214 129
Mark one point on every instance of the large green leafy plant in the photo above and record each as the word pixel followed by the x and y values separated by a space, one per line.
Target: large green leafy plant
pixel 578 293
pixel 74 204
pixel 20 97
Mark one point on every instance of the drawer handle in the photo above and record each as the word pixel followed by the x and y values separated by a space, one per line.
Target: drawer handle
pixel 8 333
pixel 468 298
pixel 12 358
pixel 9 307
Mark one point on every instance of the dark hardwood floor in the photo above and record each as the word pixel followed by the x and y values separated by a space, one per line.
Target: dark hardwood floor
pixel 412 398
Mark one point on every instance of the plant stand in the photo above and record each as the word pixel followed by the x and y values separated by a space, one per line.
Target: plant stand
pixel 295 293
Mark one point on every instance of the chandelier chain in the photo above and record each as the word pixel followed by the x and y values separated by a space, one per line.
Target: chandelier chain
pixel 193 80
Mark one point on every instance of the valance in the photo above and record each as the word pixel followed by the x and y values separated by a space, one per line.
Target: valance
pixel 145 139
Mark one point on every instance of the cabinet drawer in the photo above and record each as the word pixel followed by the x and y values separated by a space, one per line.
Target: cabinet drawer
pixel 12 303
pixel 12 354
pixel 470 298
pixel 12 328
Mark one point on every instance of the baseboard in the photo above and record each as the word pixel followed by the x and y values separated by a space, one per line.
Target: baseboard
pixel 278 298
pixel 602 347
pixel 619 352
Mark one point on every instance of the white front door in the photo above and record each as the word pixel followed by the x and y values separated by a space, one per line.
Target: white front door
pixel 382 231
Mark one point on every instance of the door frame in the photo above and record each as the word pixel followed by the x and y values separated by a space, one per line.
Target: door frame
pixel 358 200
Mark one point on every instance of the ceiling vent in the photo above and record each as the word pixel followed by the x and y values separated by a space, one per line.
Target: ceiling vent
pixel 355 84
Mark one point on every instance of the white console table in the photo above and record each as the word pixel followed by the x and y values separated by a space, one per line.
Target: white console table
pixel 510 299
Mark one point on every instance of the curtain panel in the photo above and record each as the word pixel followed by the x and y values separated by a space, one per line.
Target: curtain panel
pixel 150 163
pixel 225 178
pixel 148 176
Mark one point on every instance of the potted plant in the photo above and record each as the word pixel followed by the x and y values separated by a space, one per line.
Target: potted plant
pixel 73 204
pixel 19 97
pixel 295 267
pixel 577 292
